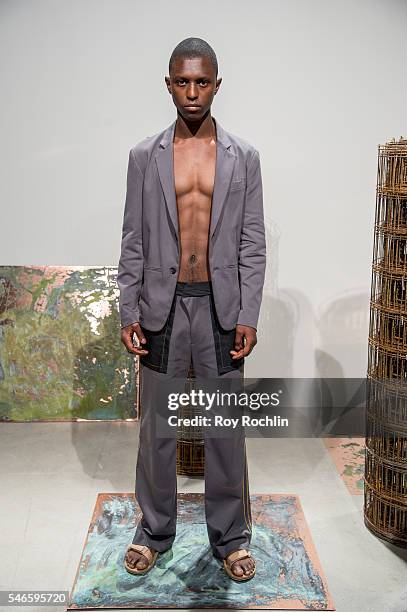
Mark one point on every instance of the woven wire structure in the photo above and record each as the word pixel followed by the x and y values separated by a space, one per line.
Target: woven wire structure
pixel 190 440
pixel 385 493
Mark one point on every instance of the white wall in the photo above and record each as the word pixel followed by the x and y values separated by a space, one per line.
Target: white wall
pixel 315 85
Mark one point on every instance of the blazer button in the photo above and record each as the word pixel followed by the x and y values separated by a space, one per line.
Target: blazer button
pixel 173 270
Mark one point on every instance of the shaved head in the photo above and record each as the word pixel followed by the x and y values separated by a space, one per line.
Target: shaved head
pixel 194 47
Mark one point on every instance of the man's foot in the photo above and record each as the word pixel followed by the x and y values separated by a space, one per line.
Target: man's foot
pixel 240 565
pixel 139 559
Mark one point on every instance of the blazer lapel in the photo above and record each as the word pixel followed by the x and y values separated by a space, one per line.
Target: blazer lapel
pixel 225 160
pixel 165 165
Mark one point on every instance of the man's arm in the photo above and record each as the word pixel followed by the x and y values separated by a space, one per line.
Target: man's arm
pixel 252 250
pixel 130 268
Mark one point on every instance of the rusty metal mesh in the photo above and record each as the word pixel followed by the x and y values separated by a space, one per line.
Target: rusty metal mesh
pixel 385 493
pixel 190 441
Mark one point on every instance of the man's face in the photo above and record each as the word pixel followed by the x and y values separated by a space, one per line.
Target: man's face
pixel 192 84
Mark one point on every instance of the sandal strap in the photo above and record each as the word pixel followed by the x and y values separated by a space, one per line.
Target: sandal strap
pixel 237 554
pixel 144 550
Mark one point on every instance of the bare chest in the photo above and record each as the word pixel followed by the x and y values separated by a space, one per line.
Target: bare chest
pixel 194 169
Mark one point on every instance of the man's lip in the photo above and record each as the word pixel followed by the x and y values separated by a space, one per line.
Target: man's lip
pixel 192 106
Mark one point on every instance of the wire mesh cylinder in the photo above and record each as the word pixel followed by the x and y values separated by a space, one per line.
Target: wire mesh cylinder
pixel 385 494
pixel 190 441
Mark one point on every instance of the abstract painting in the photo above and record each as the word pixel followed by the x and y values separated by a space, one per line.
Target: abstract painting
pixel 61 358
pixel 348 455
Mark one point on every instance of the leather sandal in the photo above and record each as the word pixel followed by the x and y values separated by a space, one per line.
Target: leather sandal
pixel 143 550
pixel 235 556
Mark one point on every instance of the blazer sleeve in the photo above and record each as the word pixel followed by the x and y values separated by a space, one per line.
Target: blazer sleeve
pixel 252 249
pixel 130 268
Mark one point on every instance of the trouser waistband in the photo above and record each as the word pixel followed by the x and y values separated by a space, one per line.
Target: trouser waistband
pixel 193 289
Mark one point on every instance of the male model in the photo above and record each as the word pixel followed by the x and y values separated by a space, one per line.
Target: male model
pixel 191 276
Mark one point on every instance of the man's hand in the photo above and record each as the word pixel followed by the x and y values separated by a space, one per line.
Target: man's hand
pixel 127 339
pixel 245 341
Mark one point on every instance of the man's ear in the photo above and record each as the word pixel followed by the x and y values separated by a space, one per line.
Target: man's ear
pixel 218 82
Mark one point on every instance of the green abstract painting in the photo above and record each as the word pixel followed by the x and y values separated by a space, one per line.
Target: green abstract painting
pixel 61 357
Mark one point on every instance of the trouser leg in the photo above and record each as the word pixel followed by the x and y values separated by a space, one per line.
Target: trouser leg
pixel 227 498
pixel 156 480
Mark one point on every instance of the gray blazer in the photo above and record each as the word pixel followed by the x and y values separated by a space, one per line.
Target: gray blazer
pixel 149 261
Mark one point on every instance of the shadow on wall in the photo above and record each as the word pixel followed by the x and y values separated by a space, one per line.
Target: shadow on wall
pixel 295 341
pixel 343 327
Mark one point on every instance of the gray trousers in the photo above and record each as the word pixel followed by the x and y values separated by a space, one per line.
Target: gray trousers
pixel 192 331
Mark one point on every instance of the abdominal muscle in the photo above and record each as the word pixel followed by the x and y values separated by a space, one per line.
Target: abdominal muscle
pixel 194 173
pixel 194 224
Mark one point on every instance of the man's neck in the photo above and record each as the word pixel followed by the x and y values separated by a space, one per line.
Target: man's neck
pixel 202 130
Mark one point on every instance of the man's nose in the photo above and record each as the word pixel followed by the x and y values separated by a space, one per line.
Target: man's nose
pixel 192 92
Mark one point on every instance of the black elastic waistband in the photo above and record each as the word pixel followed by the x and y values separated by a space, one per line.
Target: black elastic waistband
pixel 194 289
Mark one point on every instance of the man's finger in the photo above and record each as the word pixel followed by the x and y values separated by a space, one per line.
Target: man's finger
pixel 238 340
pixel 136 350
pixel 127 339
pixel 139 333
pixel 244 351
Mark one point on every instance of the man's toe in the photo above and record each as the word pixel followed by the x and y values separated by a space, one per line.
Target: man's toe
pixel 237 569
pixel 129 559
pixel 142 563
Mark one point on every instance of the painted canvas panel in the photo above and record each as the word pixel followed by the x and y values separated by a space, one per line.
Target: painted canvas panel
pixel 348 454
pixel 61 358
pixel 289 574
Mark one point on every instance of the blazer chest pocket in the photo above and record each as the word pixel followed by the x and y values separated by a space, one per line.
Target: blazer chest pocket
pixel 238 184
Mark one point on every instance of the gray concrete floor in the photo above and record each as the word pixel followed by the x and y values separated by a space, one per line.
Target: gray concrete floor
pixel 51 474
